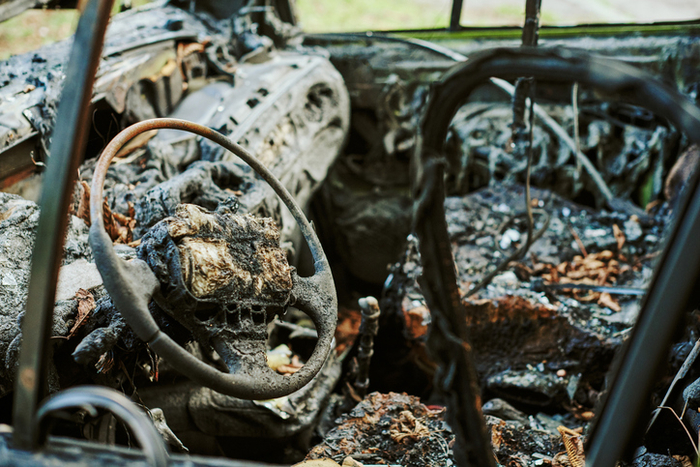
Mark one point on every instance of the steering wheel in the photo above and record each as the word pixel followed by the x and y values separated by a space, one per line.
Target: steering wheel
pixel 132 285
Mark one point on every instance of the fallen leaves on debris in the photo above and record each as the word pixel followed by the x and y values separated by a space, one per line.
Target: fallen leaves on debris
pixel 118 226
pixel 407 428
pixel 515 444
pixel 506 308
pixel 347 462
pixel 317 463
pixel 602 269
pixel 348 328
pixel 389 429
pixel 417 316
pixel 684 460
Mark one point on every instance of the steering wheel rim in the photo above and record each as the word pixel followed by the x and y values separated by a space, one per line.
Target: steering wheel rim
pixel 315 295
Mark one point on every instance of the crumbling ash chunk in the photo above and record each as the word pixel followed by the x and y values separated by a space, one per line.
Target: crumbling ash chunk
pixel 389 428
pixel 223 277
pixel 398 429
pixel 219 257
pixel 203 183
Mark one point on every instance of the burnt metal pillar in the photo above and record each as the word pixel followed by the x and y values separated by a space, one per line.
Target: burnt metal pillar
pixel 523 86
pixel 368 331
pixel 448 337
pixel 69 137
pixel 455 14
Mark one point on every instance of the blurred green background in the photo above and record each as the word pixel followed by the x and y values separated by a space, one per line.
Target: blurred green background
pixel 34 28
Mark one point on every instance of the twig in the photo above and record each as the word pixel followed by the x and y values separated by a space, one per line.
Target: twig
pixel 692 441
pixel 578 239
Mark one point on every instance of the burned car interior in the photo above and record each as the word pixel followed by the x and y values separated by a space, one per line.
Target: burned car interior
pixel 228 241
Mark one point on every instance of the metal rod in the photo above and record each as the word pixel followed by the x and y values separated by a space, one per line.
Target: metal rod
pixel 448 343
pixel 368 331
pixel 456 14
pixel 69 138
pixel 540 286
pixel 531 29
pixel 523 85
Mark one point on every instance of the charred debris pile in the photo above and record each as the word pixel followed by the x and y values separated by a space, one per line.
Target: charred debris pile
pixel 336 118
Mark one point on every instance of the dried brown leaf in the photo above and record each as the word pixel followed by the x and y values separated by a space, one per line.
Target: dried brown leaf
pixel 561 459
pixel 619 237
pixel 586 415
pixel 291 368
pixel 576 275
pixel 555 274
pixel 84 203
pixel 590 297
pixel 591 263
pixel 606 300
pixel 86 303
pixel 561 269
pixel 137 142
pixel 604 255
pixel 111 225
pixel 105 363
pixel 121 218
pixel 118 226
pixel 602 276
pixel 684 460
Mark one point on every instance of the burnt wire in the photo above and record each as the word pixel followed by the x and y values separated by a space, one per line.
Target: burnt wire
pixel 520 252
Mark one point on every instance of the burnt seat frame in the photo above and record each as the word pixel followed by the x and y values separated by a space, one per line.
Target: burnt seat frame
pixel 675 287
